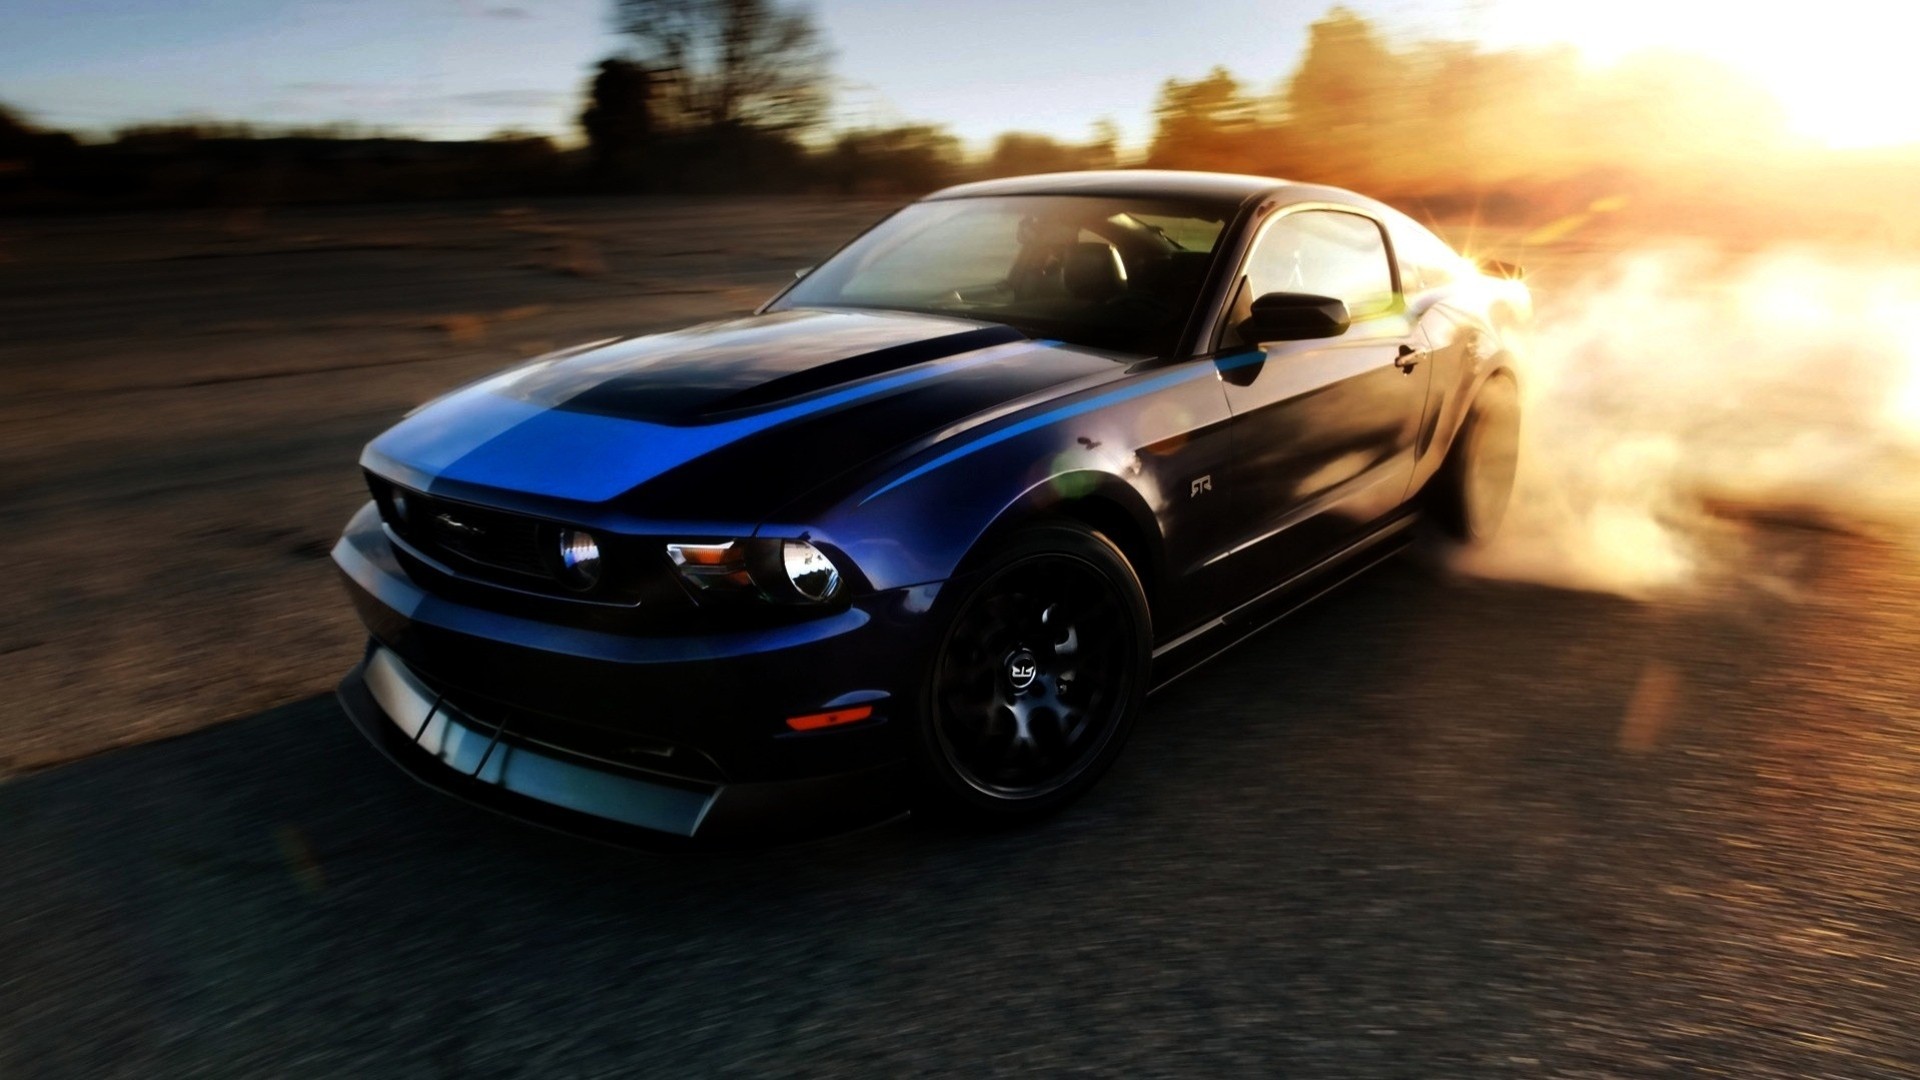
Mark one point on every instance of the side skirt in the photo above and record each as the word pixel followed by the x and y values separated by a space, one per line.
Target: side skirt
pixel 1194 648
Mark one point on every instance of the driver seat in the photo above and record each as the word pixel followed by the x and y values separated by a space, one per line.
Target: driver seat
pixel 1095 271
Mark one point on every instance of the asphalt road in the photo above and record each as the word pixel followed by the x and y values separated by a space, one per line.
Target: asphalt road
pixel 1428 827
pixel 1433 826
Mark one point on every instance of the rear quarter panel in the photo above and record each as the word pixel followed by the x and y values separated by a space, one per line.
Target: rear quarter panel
pixel 1466 326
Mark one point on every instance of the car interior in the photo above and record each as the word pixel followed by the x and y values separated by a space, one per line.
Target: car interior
pixel 1098 273
pixel 1102 282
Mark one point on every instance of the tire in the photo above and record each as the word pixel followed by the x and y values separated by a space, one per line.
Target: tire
pixel 1476 483
pixel 1039 674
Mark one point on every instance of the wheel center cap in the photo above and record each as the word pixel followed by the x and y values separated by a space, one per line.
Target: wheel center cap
pixel 1022 669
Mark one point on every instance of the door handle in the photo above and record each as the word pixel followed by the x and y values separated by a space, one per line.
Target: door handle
pixel 1408 358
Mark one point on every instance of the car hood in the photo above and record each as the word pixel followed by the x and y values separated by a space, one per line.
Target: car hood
pixel 723 422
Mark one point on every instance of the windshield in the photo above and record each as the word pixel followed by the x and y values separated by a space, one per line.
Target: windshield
pixel 1108 273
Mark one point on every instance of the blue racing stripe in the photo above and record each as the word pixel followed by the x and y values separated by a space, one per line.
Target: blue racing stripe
pixel 433 438
pixel 586 457
pixel 1054 416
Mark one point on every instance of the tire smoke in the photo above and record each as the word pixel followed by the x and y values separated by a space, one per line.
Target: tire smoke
pixel 1678 396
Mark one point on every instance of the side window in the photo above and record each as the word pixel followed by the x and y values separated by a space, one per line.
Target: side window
pixel 1327 253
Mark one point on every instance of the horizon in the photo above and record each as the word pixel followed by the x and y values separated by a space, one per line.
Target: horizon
pixel 460 69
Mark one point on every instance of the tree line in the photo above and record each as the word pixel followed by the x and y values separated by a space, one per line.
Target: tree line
pixel 734 95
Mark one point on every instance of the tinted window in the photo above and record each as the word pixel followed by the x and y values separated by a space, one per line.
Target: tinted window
pixel 1325 253
pixel 1111 273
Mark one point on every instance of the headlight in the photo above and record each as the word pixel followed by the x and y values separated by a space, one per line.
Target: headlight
pixel 579 559
pixel 781 571
pixel 402 512
pixel 810 573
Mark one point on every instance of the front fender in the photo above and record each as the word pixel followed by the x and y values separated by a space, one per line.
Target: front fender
pixel 924 531
pixel 1130 451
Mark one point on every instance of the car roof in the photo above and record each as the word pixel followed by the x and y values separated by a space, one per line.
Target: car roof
pixel 1151 183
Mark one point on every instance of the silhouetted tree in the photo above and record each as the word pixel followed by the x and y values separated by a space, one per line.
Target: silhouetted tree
pixel 1202 124
pixel 1018 152
pixel 1103 150
pixel 1345 99
pixel 1347 77
pixel 13 129
pixel 907 160
pixel 725 64
pixel 618 121
pixel 25 148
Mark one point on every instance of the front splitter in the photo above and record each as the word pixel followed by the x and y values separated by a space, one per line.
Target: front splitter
pixel 442 747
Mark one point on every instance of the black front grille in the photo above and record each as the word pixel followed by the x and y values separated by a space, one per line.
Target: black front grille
pixel 492 538
pixel 479 540
pixel 458 544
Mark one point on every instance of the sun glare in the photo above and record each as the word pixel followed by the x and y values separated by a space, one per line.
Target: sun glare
pixel 1905 407
pixel 1842 72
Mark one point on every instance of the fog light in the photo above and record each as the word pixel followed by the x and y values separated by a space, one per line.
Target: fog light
pixel 811 573
pixel 579 559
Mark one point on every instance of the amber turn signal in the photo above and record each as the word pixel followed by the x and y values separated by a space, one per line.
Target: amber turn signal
pixel 815 721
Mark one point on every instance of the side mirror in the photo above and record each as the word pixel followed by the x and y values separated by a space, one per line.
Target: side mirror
pixel 1496 268
pixel 1283 316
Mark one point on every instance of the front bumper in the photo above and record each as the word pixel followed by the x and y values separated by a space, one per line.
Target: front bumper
pixel 490 765
pixel 601 732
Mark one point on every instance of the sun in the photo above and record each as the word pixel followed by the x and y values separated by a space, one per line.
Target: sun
pixel 1842 71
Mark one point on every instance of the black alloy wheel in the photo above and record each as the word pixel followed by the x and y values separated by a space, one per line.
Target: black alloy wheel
pixel 1040 674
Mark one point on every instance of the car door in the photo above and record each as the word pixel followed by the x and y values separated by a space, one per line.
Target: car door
pixel 1323 431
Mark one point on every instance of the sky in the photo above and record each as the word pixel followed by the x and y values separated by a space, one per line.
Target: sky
pixel 465 68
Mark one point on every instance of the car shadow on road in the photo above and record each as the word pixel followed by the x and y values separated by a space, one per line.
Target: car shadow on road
pixel 1357 821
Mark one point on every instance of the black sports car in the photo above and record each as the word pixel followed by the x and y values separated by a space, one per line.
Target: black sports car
pixel 927 528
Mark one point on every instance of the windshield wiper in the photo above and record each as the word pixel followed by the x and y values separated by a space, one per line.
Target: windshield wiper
pixel 1157 231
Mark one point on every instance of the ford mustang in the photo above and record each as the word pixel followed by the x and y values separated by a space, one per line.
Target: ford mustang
pixel 925 530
